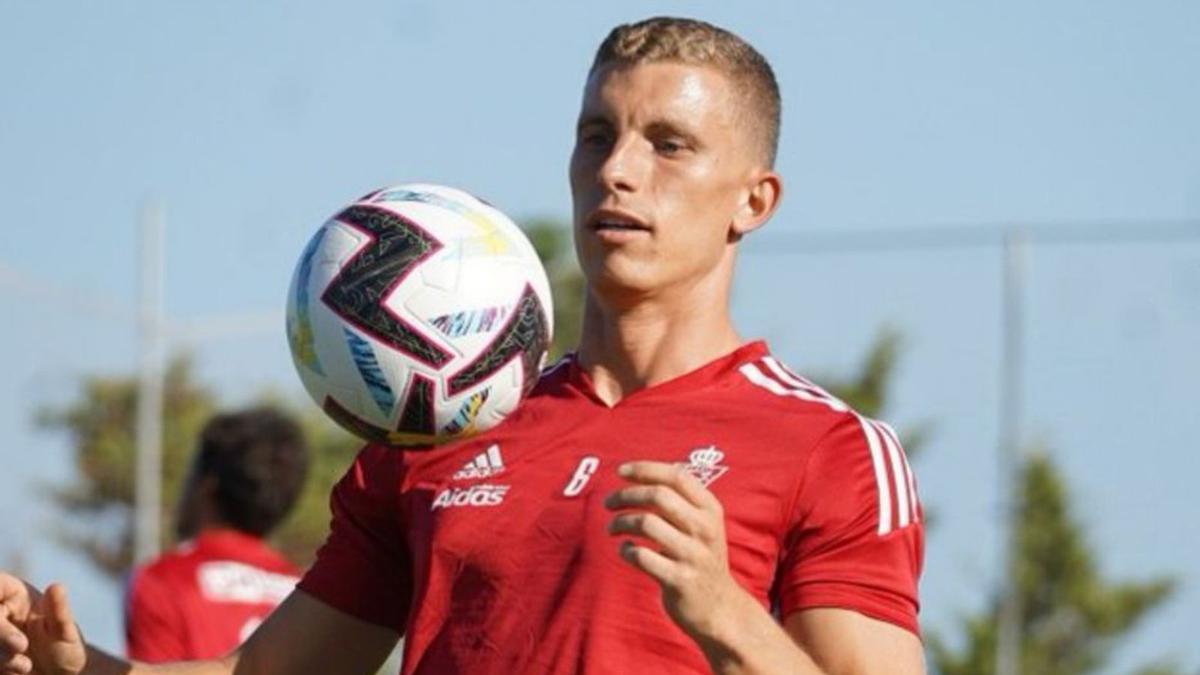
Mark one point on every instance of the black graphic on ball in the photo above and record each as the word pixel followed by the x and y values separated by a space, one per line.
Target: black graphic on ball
pixel 359 291
pixel 525 336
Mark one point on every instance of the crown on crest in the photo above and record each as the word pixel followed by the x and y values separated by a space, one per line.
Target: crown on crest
pixel 707 457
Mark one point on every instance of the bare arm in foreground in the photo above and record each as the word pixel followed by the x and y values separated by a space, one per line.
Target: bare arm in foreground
pixel 304 635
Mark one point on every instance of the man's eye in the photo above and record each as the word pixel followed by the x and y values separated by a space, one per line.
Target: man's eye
pixel 669 147
pixel 595 139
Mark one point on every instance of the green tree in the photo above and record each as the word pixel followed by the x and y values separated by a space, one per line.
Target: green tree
pixel 100 426
pixel 1071 616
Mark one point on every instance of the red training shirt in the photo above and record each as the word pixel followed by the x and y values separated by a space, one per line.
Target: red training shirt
pixel 492 553
pixel 201 599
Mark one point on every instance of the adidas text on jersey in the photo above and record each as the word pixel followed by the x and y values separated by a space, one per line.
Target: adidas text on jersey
pixel 476 495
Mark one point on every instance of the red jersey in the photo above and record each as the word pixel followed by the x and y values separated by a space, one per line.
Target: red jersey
pixel 492 553
pixel 204 597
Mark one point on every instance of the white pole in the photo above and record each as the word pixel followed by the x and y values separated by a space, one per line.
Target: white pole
pixel 1008 638
pixel 148 490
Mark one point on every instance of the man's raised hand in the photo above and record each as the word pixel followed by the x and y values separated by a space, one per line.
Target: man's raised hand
pixel 38 635
pixel 669 508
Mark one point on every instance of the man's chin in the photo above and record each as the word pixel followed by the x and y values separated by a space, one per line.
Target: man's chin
pixel 621 283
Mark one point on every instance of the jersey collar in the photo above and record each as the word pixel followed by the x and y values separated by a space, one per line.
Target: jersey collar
pixel 227 540
pixel 707 375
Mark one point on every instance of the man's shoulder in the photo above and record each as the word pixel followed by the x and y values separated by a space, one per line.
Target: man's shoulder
pixel 774 391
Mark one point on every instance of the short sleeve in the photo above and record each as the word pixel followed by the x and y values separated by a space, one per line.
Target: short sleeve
pixel 363 567
pixel 154 627
pixel 856 540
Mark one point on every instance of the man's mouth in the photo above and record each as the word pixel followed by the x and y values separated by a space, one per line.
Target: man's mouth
pixel 616 221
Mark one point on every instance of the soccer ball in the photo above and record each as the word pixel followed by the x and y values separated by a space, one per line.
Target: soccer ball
pixel 417 315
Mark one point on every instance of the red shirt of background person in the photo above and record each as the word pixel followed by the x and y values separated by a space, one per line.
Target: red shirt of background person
pixel 205 596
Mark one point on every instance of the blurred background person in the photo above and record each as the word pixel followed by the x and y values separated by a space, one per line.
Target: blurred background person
pixel 206 595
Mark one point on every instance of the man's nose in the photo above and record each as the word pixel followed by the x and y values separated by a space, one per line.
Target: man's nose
pixel 622 170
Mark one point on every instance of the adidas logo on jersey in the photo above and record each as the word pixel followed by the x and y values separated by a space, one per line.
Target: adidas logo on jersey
pixel 486 464
pixel 476 495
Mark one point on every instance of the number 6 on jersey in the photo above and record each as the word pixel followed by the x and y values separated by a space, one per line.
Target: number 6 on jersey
pixel 583 473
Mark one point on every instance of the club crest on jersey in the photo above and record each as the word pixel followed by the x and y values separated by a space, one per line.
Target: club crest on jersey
pixel 705 464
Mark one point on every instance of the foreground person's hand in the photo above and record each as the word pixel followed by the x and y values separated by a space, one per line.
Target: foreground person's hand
pixel 38 635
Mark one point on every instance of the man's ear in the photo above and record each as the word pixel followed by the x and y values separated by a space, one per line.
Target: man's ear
pixel 758 204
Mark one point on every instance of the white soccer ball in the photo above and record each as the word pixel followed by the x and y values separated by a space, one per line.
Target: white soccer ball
pixel 419 314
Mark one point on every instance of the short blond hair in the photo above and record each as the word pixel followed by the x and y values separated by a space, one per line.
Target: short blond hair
pixel 698 43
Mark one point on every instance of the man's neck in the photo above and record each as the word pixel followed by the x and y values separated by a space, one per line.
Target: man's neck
pixel 627 349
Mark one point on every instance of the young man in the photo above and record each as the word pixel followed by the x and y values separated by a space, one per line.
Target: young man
pixel 201 599
pixel 663 495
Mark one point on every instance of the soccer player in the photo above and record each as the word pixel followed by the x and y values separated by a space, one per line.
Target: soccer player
pixel 204 597
pixel 670 499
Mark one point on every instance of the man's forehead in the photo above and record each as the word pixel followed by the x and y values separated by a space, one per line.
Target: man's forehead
pixel 682 88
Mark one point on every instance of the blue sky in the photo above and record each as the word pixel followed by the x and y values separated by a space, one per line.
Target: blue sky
pixel 255 121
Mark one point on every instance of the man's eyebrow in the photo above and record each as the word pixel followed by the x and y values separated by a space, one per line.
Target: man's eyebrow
pixel 587 119
pixel 670 127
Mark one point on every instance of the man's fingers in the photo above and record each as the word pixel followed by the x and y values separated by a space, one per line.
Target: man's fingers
pixel 674 544
pixel 59 620
pixel 651 562
pixel 17 664
pixel 673 475
pixel 661 498
pixel 12 640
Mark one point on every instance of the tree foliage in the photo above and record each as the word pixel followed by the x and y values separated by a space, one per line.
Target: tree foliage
pixel 100 426
pixel 1071 616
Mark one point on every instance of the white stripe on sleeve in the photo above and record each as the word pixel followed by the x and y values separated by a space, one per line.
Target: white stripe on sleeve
pixel 752 373
pixel 908 473
pixel 912 490
pixel 907 470
pixel 880 437
pixel 881 481
pixel 898 476
pixel 789 378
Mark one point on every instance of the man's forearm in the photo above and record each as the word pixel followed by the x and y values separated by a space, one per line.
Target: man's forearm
pixel 744 639
pixel 101 663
